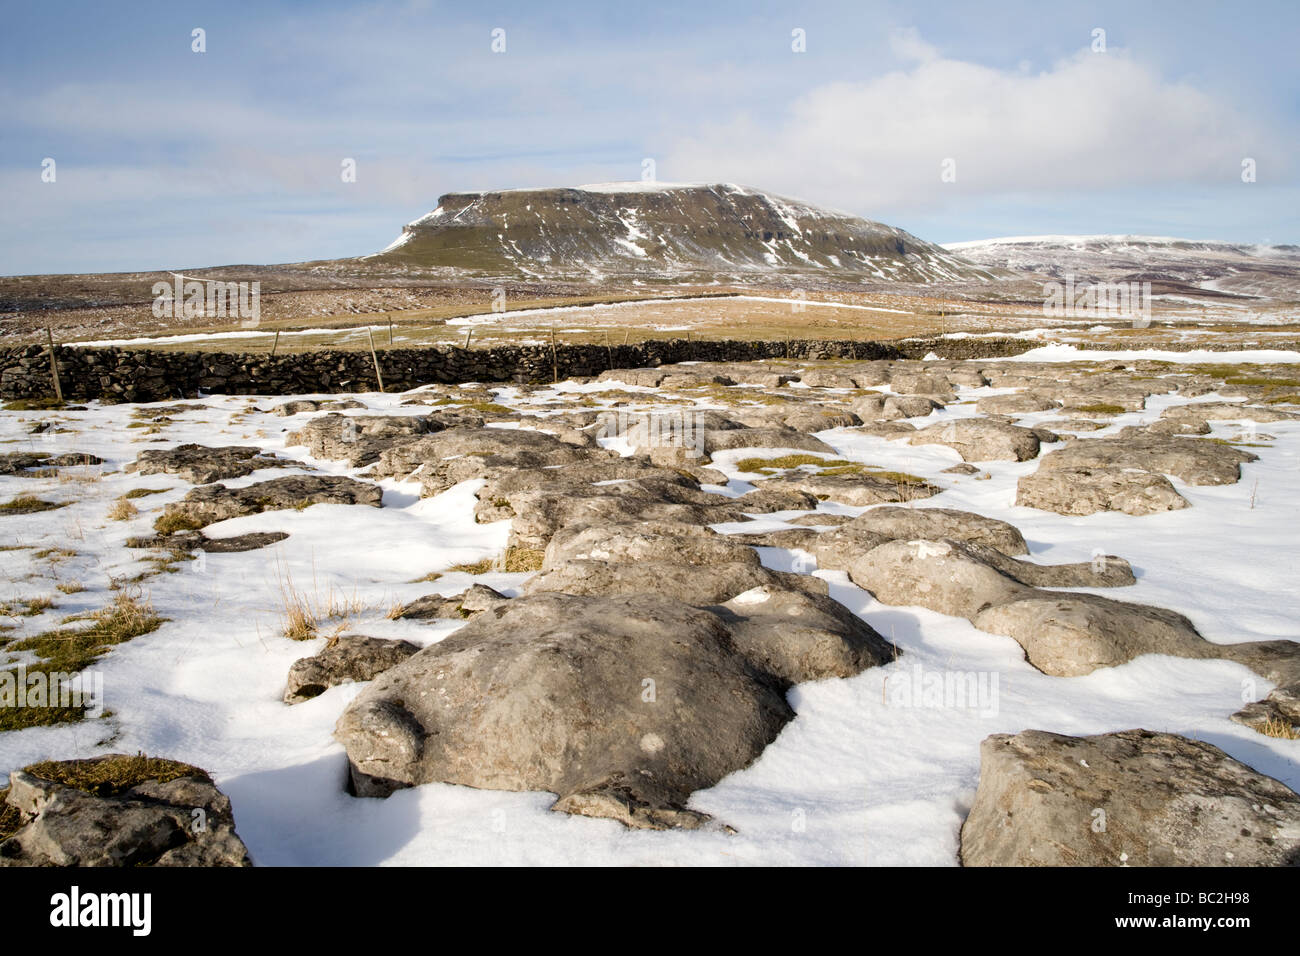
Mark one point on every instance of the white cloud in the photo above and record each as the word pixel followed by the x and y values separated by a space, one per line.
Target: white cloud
pixel 1091 122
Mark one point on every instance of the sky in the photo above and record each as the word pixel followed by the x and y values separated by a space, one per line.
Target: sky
pixel 953 120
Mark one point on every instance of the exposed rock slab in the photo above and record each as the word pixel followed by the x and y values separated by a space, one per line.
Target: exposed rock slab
pixel 200 464
pixel 1134 798
pixel 208 504
pixel 1085 491
pixel 548 692
pixel 980 439
pixel 1193 460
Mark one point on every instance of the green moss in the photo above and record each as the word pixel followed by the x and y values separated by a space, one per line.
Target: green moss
pixel 109 776
pixel 1101 408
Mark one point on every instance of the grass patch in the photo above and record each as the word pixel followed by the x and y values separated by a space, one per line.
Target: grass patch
pixel 110 776
pixel 1237 444
pixel 1279 728
pixel 71 587
pixel 478 567
pixel 767 466
pixel 1102 408
pixel 143 492
pixel 122 510
pixel 28 608
pixel 73 649
pixel 522 559
pixel 899 477
pixel 55 554
pixel 302 614
pixel 11 821
pixel 21 718
pixel 172 521
pixel 491 408
pixel 1266 381
pixel 428 578
pixel 32 404
pixel 29 504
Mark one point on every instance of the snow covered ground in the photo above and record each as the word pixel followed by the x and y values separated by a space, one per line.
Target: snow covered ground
pixel 856 778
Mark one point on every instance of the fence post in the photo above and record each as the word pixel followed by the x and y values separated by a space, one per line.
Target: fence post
pixel 54 365
pixel 375 355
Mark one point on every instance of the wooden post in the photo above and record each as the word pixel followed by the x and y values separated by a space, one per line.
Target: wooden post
pixel 54 365
pixel 390 331
pixel 555 362
pixel 625 336
pixel 375 355
pixel 276 344
pixel 468 333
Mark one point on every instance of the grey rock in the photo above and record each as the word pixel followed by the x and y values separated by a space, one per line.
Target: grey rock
pixel 344 660
pixel 183 822
pixel 1164 800
pixel 1193 460
pixel 933 523
pixel 858 489
pixel 549 692
pixel 716 440
pixel 1017 403
pixel 476 599
pixel 979 439
pixel 211 503
pixel 1280 709
pixel 200 464
pixel 1085 491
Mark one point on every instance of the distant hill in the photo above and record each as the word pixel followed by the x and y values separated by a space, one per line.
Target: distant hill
pixel 663 231
pixel 1198 267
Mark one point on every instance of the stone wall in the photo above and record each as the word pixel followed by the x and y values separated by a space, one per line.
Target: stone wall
pixel 145 375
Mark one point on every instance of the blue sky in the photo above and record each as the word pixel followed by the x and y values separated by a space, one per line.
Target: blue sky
pixel 170 158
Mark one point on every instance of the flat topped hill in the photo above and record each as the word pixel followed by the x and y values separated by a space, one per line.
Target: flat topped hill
pixel 664 230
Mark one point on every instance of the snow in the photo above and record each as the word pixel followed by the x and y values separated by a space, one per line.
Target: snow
pixel 1097 240
pixel 856 778
pixel 1063 352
